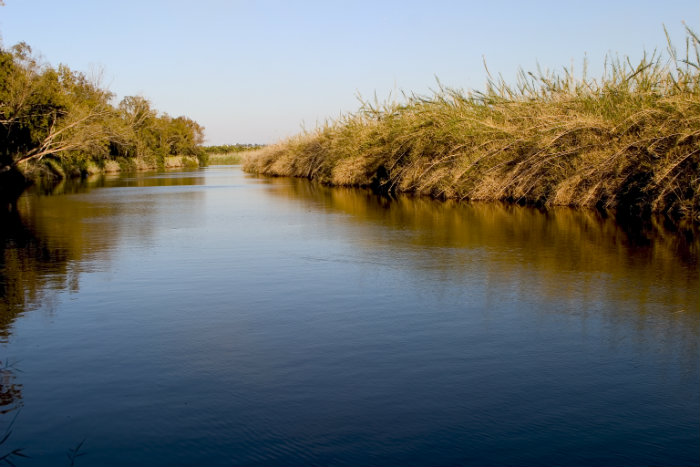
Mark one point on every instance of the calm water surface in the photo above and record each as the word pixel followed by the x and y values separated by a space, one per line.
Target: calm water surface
pixel 213 318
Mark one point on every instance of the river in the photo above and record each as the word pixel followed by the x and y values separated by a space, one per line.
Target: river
pixel 209 317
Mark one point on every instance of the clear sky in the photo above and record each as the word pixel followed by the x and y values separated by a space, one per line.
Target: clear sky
pixel 256 71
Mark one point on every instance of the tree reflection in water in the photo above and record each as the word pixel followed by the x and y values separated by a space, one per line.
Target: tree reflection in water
pixel 30 267
pixel 48 240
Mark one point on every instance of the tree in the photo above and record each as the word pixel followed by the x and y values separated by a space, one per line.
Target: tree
pixel 46 111
pixel 61 114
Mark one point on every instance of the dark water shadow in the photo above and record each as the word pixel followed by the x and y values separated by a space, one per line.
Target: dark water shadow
pixel 563 253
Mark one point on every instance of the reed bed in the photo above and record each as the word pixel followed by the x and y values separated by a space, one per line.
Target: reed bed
pixel 628 141
pixel 225 158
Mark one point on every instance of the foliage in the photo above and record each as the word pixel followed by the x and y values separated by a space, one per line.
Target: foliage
pixel 54 113
pixel 629 140
pixel 225 158
pixel 227 154
pixel 229 148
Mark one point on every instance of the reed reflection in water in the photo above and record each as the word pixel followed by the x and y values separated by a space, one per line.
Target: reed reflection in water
pixel 563 252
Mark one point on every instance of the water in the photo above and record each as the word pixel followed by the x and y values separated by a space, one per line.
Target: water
pixel 213 318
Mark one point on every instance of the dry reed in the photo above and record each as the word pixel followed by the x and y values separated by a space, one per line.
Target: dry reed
pixel 628 141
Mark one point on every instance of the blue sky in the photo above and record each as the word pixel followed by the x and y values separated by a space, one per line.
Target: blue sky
pixel 256 71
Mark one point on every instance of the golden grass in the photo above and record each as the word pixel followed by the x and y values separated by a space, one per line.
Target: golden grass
pixel 225 158
pixel 628 141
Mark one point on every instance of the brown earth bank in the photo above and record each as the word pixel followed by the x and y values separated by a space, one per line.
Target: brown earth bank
pixel 15 180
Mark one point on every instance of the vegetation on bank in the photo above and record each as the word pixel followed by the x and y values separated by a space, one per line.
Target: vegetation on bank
pixel 57 121
pixel 629 140
pixel 228 153
pixel 229 148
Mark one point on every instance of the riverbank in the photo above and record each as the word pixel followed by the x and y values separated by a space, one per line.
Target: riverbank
pixel 14 182
pixel 227 154
pixel 54 170
pixel 56 123
pixel 629 141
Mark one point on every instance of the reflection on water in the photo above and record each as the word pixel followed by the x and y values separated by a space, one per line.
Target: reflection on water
pixel 563 252
pixel 142 179
pixel 580 258
pixel 49 240
pixel 29 268
pixel 209 317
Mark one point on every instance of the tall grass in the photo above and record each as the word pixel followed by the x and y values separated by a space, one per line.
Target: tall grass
pixel 228 153
pixel 225 158
pixel 629 140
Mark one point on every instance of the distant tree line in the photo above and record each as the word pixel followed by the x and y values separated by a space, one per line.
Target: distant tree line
pixel 229 148
pixel 56 114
